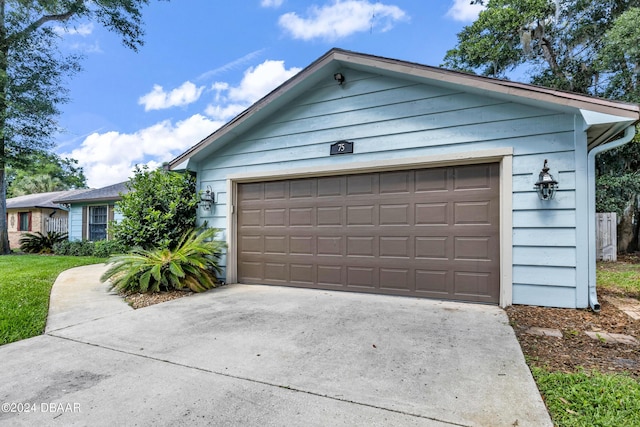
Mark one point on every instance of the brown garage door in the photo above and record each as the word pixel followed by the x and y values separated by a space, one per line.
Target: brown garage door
pixel 428 233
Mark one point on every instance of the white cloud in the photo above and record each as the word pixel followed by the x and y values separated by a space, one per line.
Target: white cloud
pixel 256 83
pixel 83 30
pixel 271 3
pixel 464 11
pixel 93 47
pixel 110 157
pixel 158 99
pixel 341 19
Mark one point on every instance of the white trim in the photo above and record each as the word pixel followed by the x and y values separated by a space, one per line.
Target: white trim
pixel 469 157
pixel 506 231
pixel 232 235
pixel 502 155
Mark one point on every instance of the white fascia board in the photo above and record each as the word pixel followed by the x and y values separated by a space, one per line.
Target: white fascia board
pixel 595 118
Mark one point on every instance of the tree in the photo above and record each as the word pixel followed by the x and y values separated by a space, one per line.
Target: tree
pixel 582 46
pixel 158 210
pixel 33 71
pixel 43 172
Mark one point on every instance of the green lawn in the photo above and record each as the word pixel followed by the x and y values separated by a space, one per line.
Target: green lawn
pixel 620 276
pixel 25 284
pixel 588 399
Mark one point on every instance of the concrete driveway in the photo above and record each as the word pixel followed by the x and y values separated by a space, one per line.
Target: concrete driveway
pixel 260 355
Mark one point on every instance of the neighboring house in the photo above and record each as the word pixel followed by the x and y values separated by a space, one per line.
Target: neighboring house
pixel 91 212
pixel 375 175
pixel 36 213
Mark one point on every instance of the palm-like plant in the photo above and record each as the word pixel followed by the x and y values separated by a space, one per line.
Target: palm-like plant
pixel 35 243
pixel 193 264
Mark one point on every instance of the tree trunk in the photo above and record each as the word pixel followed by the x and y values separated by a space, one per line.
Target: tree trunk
pixel 627 227
pixel 4 234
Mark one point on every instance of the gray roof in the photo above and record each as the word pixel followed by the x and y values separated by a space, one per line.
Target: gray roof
pixel 104 194
pixel 42 200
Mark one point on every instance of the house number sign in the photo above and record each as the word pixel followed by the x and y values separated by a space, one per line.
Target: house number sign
pixel 341 147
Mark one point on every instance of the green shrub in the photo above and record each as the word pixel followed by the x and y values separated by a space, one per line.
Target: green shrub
pixel 74 248
pixel 100 249
pixel 158 210
pixel 106 248
pixel 38 243
pixel 193 264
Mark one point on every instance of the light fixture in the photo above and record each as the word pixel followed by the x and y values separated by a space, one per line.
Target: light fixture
pixel 339 77
pixel 546 185
pixel 207 198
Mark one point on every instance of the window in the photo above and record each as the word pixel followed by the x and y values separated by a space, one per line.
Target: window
pixel 97 223
pixel 24 221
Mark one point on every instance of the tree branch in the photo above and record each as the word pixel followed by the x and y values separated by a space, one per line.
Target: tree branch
pixel 58 17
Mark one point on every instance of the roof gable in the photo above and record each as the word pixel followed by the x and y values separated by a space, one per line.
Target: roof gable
pixel 604 118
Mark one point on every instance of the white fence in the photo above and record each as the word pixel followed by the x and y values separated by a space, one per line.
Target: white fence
pixel 59 225
pixel 606 237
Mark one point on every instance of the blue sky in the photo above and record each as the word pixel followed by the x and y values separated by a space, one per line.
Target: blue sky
pixel 204 62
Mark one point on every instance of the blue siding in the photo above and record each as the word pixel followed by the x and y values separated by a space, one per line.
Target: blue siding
pixel 75 218
pixel 394 119
pixel 75 222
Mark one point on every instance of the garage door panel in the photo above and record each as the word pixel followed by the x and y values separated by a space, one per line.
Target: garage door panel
pixel 472 177
pixel 432 213
pixel 331 275
pixel 331 216
pixel 395 247
pixel 303 274
pixel 250 218
pixel 251 271
pixel 361 184
pixel 473 248
pixel 396 182
pixel 276 272
pixel 330 246
pixel 361 246
pixel 330 187
pixel 432 281
pixel 432 180
pixel 361 215
pixel 276 190
pixel 302 217
pixel 429 233
pixel 399 214
pixel 302 189
pixel 273 245
pixel 472 213
pixel 361 277
pixel 473 286
pixel 432 247
pixel 396 279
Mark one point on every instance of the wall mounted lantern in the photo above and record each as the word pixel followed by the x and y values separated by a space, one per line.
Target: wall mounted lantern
pixel 546 185
pixel 207 198
pixel 339 77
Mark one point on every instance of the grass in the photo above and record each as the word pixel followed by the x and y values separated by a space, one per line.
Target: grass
pixel 619 276
pixel 595 399
pixel 590 399
pixel 25 285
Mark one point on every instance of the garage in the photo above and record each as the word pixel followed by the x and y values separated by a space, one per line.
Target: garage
pixel 425 232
